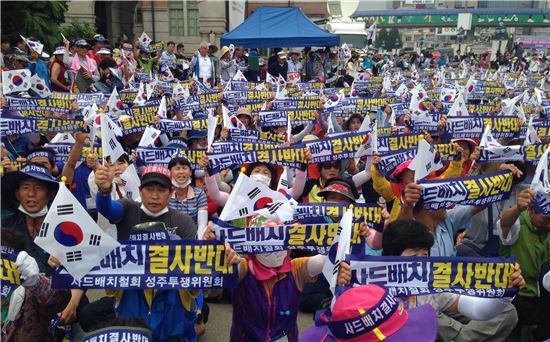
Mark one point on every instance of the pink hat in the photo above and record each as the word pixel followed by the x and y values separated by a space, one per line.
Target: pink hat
pixel 401 168
pixel 370 313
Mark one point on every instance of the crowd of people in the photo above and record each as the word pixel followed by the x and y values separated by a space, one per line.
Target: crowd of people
pixel 184 195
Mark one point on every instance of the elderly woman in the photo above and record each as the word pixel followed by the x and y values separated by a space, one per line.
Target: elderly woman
pixel 228 68
pixel 84 67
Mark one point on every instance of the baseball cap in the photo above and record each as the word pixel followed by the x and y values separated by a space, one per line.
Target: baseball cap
pixel 81 42
pixel 60 50
pixel 100 38
pixel 104 51
pixel 156 174
pixel 402 167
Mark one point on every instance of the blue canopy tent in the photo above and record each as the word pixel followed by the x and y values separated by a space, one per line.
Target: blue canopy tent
pixel 270 27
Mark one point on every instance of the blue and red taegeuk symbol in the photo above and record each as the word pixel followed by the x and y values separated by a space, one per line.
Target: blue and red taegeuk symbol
pixel 262 202
pixel 17 80
pixel 424 106
pixel 40 86
pixel 448 98
pixel 68 234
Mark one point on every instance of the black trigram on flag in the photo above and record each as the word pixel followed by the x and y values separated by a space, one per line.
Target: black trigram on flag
pixel 253 193
pixel 65 209
pixel 95 240
pixel 284 183
pixel 112 144
pixel 44 230
pixel 128 194
pixel 336 266
pixel 123 182
pixel 272 208
pixel 73 256
pixel 243 211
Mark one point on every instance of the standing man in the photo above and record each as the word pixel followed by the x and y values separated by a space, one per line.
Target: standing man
pixel 168 55
pixel 203 66
pixel 294 65
pixel 280 67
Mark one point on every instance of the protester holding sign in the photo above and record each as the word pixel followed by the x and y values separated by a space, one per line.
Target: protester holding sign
pixel 265 304
pixel 528 235
pixel 28 309
pixel 486 318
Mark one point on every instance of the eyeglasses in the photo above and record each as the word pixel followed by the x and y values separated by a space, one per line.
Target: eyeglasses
pixel 331 166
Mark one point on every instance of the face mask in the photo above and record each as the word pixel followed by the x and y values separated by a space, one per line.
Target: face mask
pixel 201 146
pixel 199 173
pixel 261 179
pixel 150 213
pixel 273 259
pixel 181 185
pixel 40 213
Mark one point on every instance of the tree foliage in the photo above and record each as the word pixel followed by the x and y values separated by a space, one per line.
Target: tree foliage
pixel 394 39
pixel 391 39
pixel 79 30
pixel 381 37
pixel 38 19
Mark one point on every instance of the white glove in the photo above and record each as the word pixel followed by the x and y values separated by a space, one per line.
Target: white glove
pixel 28 268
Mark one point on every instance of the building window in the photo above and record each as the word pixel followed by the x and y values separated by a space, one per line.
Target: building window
pixel 175 15
pixel 192 18
pixel 139 16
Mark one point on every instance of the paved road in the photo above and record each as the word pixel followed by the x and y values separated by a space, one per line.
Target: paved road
pixel 219 323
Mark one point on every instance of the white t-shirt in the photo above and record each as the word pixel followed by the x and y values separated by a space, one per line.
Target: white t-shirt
pixel 205 67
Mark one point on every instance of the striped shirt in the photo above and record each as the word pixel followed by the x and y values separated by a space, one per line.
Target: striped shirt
pixel 195 201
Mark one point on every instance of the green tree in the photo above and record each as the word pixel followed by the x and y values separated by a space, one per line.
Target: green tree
pixel 39 19
pixel 382 37
pixel 393 40
pixel 79 30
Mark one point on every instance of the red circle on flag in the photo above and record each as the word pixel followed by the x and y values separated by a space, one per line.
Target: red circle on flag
pixel 262 203
pixel 17 80
pixel 68 234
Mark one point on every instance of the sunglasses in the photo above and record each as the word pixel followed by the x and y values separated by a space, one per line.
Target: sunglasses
pixel 331 166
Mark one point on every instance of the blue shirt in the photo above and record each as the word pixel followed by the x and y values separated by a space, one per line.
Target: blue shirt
pixel 19 147
pixel 457 219
pixel 40 68
pixel 80 188
pixel 367 63
pixel 196 200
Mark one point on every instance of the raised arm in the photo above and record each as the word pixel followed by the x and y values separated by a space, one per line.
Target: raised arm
pixel 74 157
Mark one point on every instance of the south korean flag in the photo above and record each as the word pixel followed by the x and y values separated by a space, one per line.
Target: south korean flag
pixel 131 182
pixel 145 40
pixel 338 250
pixel 72 236
pixel 541 184
pixel 426 160
pixel 39 86
pixel 15 81
pixel 150 135
pixel 248 197
pixel 110 146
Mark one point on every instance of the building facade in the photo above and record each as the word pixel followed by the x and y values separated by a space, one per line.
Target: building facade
pixel 182 21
